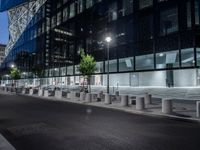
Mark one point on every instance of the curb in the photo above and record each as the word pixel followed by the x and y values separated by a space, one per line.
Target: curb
pixel 4 144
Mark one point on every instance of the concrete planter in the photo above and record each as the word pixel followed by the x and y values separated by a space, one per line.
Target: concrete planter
pixel 198 109
pixel 82 96
pixel 167 106
pixel 108 99
pixel 140 105
pixel 41 92
pixel 31 92
pixel 46 93
pixel 58 94
pixel 148 99
pixel 124 100
pixel 88 98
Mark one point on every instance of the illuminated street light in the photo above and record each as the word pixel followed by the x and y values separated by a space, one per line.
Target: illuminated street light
pixel 108 39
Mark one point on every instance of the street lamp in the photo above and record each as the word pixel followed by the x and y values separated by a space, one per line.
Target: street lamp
pixel 12 66
pixel 108 39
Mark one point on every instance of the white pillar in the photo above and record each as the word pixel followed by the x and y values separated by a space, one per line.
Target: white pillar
pixel 148 99
pixel 198 109
pixel 124 100
pixel 46 93
pixel 82 96
pixel 107 99
pixel 88 98
pixel 41 92
pixel 140 105
pixel 58 94
pixel 167 106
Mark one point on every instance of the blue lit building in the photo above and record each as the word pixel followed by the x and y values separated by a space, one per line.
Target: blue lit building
pixel 155 42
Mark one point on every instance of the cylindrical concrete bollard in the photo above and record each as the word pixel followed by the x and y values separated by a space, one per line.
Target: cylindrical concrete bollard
pixel 167 106
pixel 107 99
pixel 148 99
pixel 88 98
pixel 82 96
pixel 140 105
pixel 198 109
pixel 124 100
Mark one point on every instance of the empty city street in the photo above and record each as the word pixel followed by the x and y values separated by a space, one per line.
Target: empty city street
pixel 37 124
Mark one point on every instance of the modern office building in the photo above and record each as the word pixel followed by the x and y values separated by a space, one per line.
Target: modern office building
pixel 2 53
pixel 154 42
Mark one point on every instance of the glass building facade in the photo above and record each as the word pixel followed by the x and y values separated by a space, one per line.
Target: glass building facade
pixel 147 36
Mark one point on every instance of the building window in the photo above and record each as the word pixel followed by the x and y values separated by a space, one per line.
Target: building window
pixel 89 3
pixel 169 21
pixel 145 62
pixel 72 10
pixel 63 71
pixel 189 18
pixel 187 56
pixel 70 70
pixel 167 60
pixel 79 6
pixel 112 65
pixel 145 3
pixel 197 19
pixel 100 68
pixel 59 17
pixel 126 64
pixel 113 12
pixel 198 56
pixel 65 14
pixel 53 21
pixel 127 7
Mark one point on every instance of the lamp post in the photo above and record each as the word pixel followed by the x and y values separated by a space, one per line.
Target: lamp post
pixel 108 40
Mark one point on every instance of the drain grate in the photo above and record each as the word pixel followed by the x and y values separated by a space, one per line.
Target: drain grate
pixel 38 128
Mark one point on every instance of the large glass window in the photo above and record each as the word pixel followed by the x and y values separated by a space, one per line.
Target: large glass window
pixel 112 65
pixel 79 6
pixel 167 60
pixel 127 7
pixel 89 3
pixel 169 21
pixel 145 3
pixel 59 17
pixel 145 62
pixel 53 21
pixel 187 56
pixel 63 71
pixel 70 70
pixel 99 67
pixel 126 64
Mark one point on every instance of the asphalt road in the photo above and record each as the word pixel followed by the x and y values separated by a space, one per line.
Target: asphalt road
pixel 36 124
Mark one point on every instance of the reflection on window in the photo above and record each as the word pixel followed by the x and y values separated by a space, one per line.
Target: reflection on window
pixel 113 12
pixel 112 65
pixel 145 3
pixel 59 17
pixel 169 21
pixel 89 3
pixel 145 62
pixel 127 7
pixel 79 6
pixel 99 66
pixel 189 18
pixel 63 71
pixel 167 60
pixel 53 21
pixel 187 56
pixel 77 69
pixel 126 64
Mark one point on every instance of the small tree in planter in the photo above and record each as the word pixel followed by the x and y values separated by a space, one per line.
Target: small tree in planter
pixel 15 74
pixel 38 71
pixel 87 67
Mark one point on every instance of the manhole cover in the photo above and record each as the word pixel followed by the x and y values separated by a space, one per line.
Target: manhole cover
pixel 38 128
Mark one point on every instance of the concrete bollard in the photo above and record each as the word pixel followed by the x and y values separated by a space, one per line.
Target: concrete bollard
pixel 124 100
pixel 58 94
pixel 82 96
pixel 167 106
pixel 140 105
pixel 46 93
pixel 148 99
pixel 88 98
pixel 41 92
pixel 198 109
pixel 31 92
pixel 107 99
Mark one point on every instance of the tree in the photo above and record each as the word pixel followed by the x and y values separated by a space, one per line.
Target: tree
pixel 87 67
pixel 15 74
